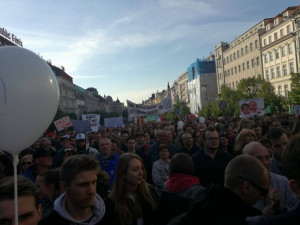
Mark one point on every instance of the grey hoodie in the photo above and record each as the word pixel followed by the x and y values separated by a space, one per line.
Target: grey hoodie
pixel 99 210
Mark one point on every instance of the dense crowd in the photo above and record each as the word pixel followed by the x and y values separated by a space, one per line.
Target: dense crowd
pixel 221 171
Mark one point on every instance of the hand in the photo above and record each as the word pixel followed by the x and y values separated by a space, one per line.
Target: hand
pixel 267 213
pixel 275 199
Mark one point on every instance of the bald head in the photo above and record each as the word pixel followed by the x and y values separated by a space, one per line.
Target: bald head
pixel 259 151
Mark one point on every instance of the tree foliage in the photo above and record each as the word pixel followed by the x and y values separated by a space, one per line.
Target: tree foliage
pixel 294 94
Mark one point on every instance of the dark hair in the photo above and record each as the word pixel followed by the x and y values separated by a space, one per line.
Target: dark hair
pixel 210 129
pixel 51 177
pixel 130 138
pixel 182 163
pixel 275 133
pixel 6 161
pixel 25 188
pixel 76 164
pixel 124 132
pixel 163 146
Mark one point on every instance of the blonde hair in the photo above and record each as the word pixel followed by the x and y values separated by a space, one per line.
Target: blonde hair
pixel 128 212
pixel 241 142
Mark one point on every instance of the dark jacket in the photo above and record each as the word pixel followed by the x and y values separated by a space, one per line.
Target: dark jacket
pixel 221 206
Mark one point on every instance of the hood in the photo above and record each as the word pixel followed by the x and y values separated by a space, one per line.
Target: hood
pixel 99 210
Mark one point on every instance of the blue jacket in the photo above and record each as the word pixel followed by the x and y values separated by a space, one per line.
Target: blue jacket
pixel 111 168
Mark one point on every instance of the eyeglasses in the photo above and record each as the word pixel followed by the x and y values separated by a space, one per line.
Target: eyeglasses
pixel 212 139
pixel 26 163
pixel 262 190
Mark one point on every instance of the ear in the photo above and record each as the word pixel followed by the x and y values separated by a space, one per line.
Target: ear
pixel 295 187
pixel 39 211
pixel 246 187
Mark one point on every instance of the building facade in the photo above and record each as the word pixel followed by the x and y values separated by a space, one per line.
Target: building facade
pixel 279 51
pixel 179 89
pixel 9 39
pixel 202 84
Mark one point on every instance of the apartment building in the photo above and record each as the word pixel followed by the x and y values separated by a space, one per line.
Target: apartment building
pixel 279 51
pixel 241 58
pixel 179 89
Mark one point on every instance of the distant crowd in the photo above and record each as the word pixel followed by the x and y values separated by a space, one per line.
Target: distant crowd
pixel 221 171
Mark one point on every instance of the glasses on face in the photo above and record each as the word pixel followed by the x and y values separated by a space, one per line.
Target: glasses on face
pixel 212 139
pixel 26 163
pixel 262 190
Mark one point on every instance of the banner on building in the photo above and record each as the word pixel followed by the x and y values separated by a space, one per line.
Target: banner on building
pixel 81 126
pixel 135 110
pixel 252 107
pixel 114 122
pixel 94 120
pixel 62 123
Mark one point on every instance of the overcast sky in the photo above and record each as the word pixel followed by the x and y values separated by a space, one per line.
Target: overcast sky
pixel 131 48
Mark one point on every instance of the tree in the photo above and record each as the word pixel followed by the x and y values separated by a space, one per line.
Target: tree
pixel 231 97
pixel 294 94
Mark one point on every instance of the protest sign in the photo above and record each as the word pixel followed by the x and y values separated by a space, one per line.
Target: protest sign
pixel 62 123
pixel 114 122
pixel 94 120
pixel 81 126
pixel 135 110
pixel 252 107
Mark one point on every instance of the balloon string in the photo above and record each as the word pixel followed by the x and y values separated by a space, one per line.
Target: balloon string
pixel 16 160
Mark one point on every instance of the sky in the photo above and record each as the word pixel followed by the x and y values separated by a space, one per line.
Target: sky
pixel 129 49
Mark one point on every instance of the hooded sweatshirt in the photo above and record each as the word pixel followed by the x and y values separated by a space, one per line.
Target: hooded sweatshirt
pixel 99 211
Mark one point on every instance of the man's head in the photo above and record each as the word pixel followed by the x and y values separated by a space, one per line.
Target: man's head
pixel 124 136
pixel 47 183
pixel 245 108
pixel 163 137
pixel 253 106
pixel 65 140
pixel 210 139
pixel 248 178
pixel 45 143
pixel 291 164
pixel 131 143
pixel 259 151
pixel 186 140
pixel 42 159
pixel 105 147
pixel 29 210
pixel 80 141
pixel 276 124
pixel 78 180
pixel 257 130
pixel 140 138
pixel 278 140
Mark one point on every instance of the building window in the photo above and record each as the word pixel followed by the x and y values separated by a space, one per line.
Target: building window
pixel 248 65
pixel 265 42
pixel 290 48
pixel 246 49
pixel 234 56
pixel 275 36
pixel 243 66
pixel 286 90
pixel 279 91
pixel 267 74
pixel 232 85
pixel 266 58
pixel 256 44
pixel 272 73
pixel 253 63
pixel 251 47
pixel 276 22
pixel 231 71
pixel 278 71
pixel 229 85
pixel 235 70
pixel 291 67
pixel 257 61
pixel 270 39
pixel 283 51
pixel 242 51
pixel 230 58
pixel 281 33
pixel 238 53
pixel 284 70
pixel 227 59
pixel 288 29
pixel 276 54
pixel 271 56
pixel 236 83
pixel 239 68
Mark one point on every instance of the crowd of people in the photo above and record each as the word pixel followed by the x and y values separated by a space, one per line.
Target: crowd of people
pixel 221 171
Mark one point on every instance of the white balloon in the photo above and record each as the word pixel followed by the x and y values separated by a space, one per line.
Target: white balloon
pixel 29 97
pixel 201 119
pixel 180 124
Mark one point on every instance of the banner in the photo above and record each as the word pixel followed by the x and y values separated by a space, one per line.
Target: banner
pixel 252 107
pixel 94 120
pixel 62 123
pixel 152 118
pixel 135 110
pixel 114 122
pixel 81 126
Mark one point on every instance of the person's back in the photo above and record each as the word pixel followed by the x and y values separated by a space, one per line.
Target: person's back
pixel 246 181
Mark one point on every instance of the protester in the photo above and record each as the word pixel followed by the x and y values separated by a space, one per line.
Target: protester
pixel 29 209
pixel 187 144
pixel 131 200
pixel 25 162
pixel 79 204
pixel 244 137
pixel 6 166
pixel 82 146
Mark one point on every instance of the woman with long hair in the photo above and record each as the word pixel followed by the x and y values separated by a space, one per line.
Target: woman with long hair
pixel 244 137
pixel 131 201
